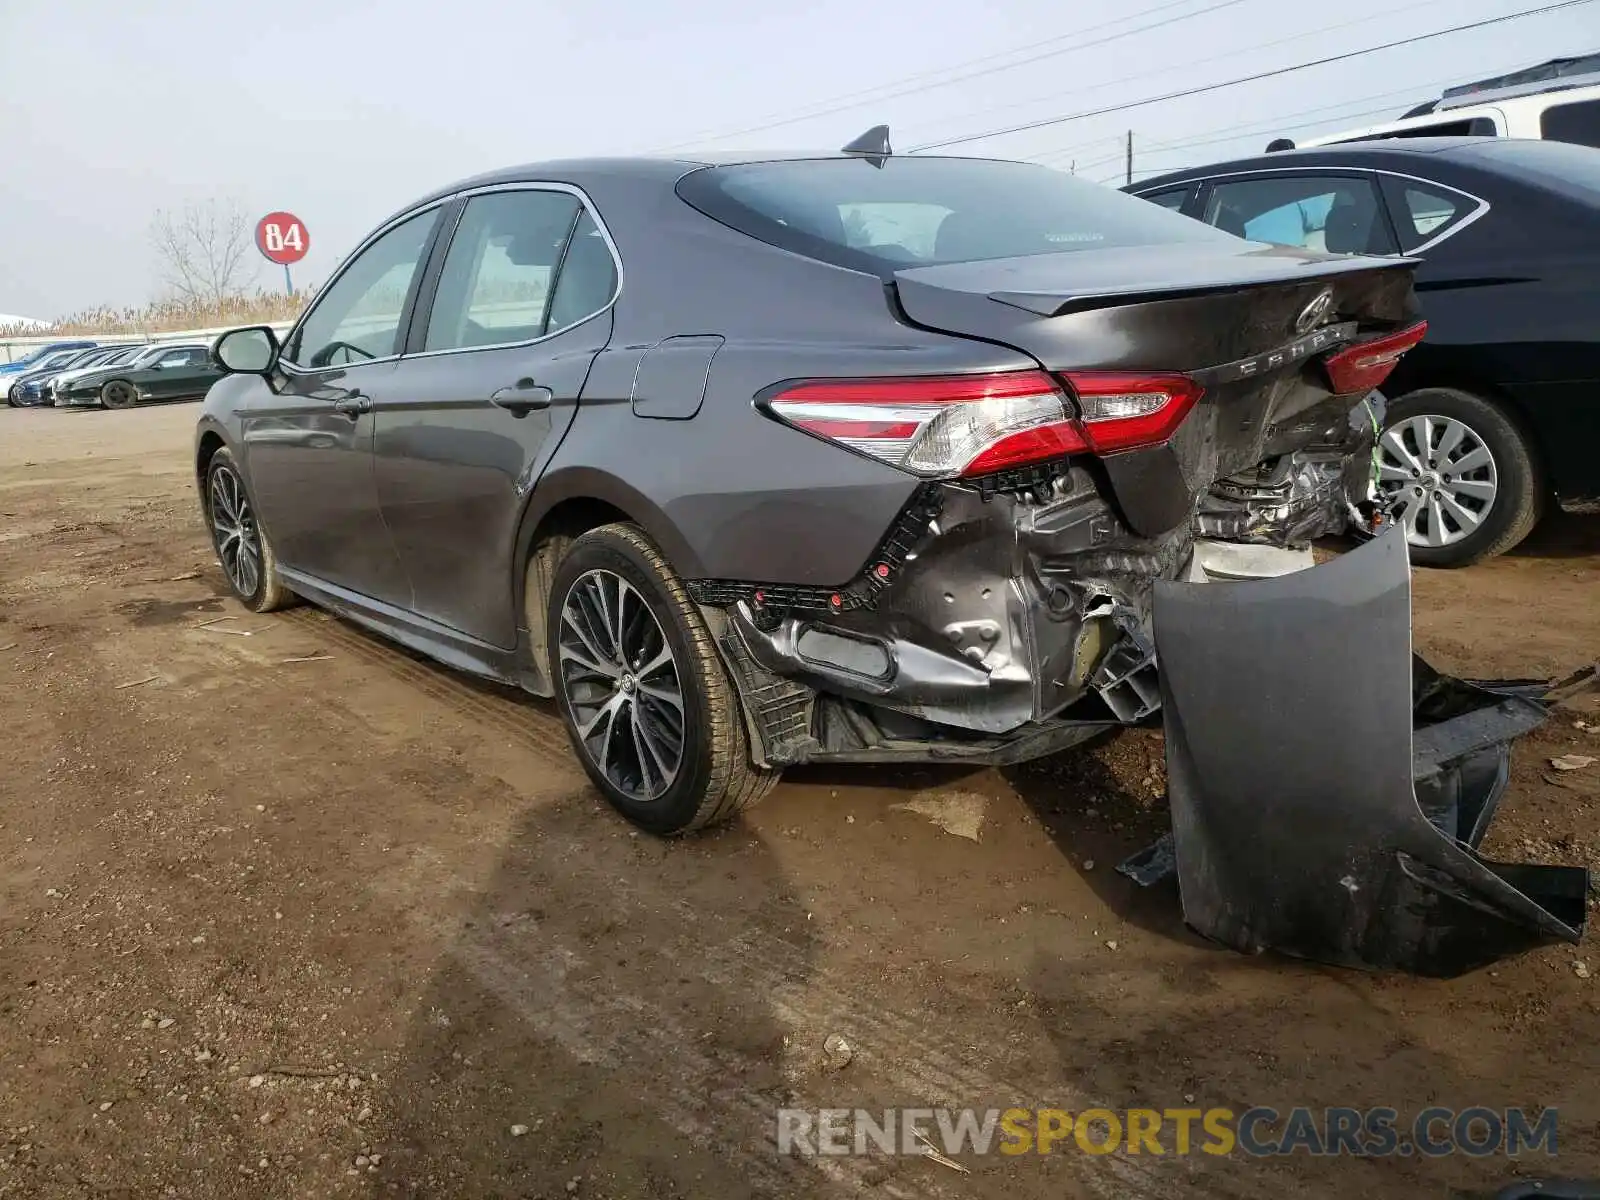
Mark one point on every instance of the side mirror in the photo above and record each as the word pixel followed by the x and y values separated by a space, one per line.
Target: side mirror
pixel 252 350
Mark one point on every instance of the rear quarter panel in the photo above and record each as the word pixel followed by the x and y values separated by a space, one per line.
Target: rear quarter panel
pixel 731 493
pixel 1514 313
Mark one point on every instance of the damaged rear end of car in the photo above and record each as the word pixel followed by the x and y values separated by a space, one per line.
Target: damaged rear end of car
pixel 1200 407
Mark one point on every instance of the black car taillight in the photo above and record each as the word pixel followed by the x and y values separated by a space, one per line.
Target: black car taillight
pixel 1364 366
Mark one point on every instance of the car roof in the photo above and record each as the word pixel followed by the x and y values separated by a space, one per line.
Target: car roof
pixel 664 170
pixel 1395 152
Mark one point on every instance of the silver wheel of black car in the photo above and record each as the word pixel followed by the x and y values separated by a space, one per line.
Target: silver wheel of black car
pixel 647 701
pixel 621 682
pixel 1460 475
pixel 118 393
pixel 241 544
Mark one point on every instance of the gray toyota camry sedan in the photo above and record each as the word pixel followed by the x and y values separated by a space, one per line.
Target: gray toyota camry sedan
pixel 758 461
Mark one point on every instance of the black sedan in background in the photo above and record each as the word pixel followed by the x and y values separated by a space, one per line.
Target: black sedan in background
pixel 27 387
pixel 175 372
pixel 1497 412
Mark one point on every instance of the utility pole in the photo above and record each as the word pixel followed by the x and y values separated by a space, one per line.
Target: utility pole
pixel 1130 157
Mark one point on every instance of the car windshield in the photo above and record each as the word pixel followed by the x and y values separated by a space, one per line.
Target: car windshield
pixel 882 215
pixel 1562 167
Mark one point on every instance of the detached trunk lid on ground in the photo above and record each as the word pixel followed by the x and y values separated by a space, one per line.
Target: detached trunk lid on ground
pixel 1250 323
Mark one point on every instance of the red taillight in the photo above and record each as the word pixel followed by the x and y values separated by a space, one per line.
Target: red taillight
pixel 952 425
pixel 1124 409
pixel 1364 366
pixel 938 426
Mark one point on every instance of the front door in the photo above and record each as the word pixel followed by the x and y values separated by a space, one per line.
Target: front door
pixel 308 432
pixel 498 356
pixel 186 371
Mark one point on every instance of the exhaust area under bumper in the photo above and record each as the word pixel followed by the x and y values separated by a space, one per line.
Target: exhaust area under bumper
pixel 1329 792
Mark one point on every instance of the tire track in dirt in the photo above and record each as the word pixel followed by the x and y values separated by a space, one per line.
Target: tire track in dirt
pixel 643 1034
pixel 517 717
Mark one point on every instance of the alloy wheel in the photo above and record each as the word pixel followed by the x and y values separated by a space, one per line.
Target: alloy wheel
pixel 1440 476
pixel 233 525
pixel 622 685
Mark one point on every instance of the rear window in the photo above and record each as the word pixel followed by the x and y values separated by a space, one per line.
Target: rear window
pixel 912 212
pixel 1562 167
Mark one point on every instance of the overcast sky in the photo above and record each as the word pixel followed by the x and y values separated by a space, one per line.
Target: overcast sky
pixel 342 112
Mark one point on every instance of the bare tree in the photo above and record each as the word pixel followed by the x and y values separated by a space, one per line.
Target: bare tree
pixel 204 250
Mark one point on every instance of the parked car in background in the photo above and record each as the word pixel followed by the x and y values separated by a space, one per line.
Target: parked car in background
pixel 114 356
pixel 1557 101
pixel 26 363
pixel 157 373
pixel 24 387
pixel 1498 411
pixel 848 457
pixel 36 388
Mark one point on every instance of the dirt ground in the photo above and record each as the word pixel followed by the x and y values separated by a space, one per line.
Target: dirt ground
pixel 334 927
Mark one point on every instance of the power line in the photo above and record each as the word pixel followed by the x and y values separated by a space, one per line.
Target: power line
pixel 1195 62
pixel 945 79
pixel 1148 148
pixel 1216 87
pixel 1209 137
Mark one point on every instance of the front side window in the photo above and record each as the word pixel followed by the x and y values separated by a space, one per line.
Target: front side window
pixel 1337 214
pixel 1577 122
pixel 358 318
pixel 884 215
pixel 1171 199
pixel 495 288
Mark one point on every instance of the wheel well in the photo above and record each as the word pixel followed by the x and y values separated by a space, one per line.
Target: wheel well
pixel 571 518
pixel 210 443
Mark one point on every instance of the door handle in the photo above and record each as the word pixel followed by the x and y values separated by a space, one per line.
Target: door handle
pixel 353 405
pixel 526 397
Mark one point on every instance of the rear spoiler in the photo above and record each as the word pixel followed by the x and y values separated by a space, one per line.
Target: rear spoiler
pixel 1058 303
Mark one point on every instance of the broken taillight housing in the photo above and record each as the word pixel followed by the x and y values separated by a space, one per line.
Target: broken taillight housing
pixel 1364 366
pixel 1125 409
pixel 964 425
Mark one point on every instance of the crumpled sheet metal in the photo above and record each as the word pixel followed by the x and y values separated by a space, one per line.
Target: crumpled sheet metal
pixel 1288 706
pixel 1296 498
pixel 1289 502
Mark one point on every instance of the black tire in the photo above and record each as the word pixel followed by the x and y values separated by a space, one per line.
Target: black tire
pixel 268 593
pixel 715 778
pixel 1519 495
pixel 118 393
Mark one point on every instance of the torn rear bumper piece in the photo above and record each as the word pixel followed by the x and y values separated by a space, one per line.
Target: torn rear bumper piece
pixel 1327 801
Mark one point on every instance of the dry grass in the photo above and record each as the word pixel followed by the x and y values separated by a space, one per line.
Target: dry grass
pixel 171 316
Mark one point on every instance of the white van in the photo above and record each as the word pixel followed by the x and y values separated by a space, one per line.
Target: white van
pixel 1558 101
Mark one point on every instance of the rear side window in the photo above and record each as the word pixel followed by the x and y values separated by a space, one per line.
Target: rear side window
pixel 1424 212
pixel 1578 122
pixel 912 212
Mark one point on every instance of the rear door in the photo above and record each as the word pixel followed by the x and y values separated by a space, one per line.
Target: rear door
pixel 507 327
